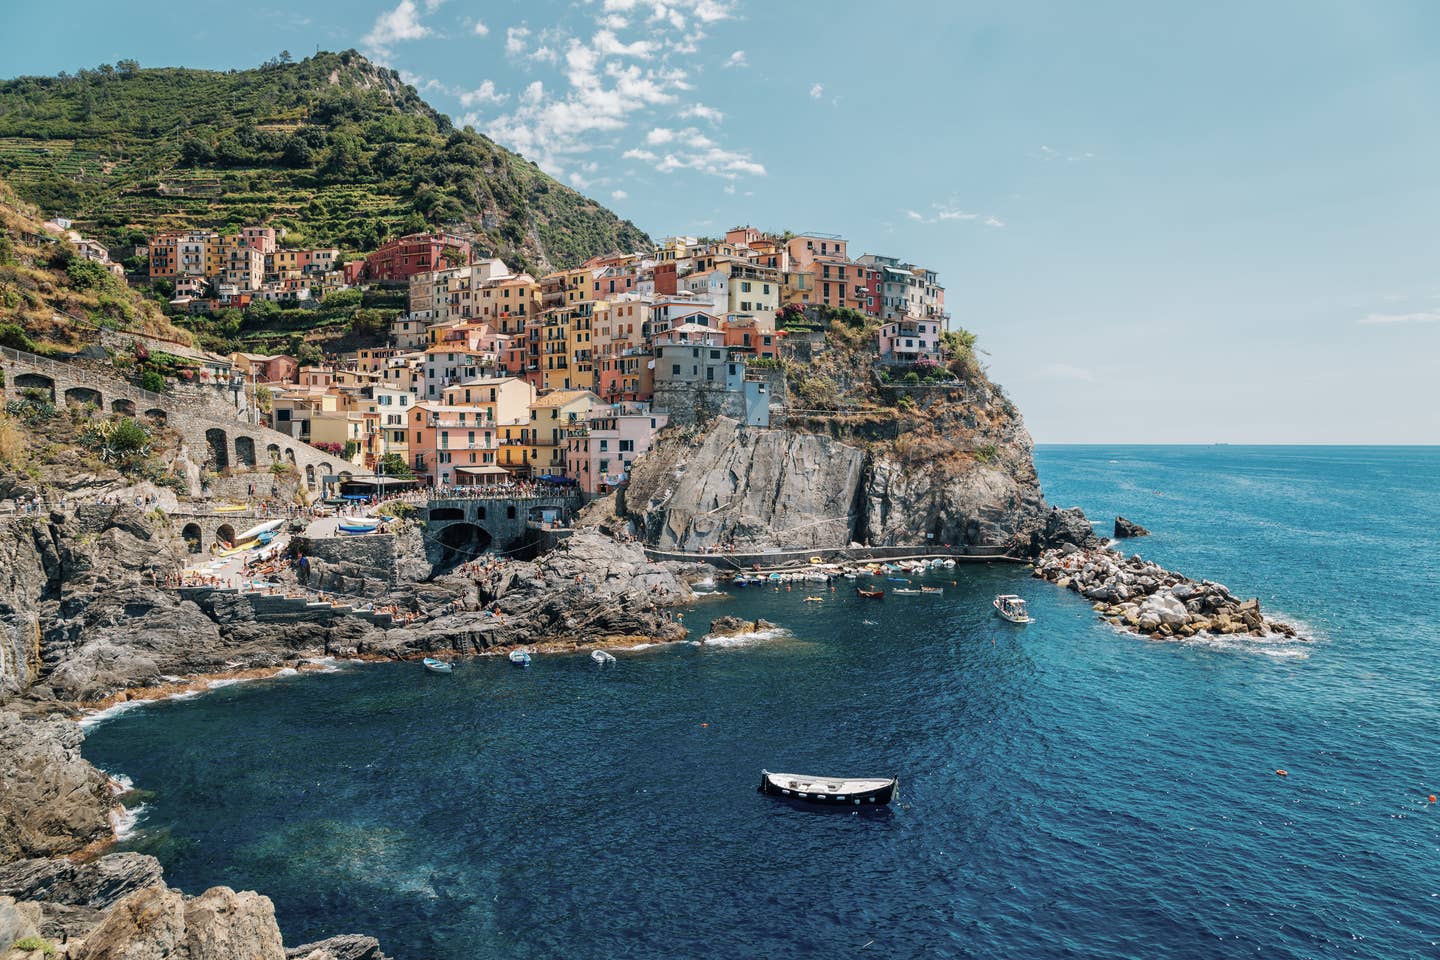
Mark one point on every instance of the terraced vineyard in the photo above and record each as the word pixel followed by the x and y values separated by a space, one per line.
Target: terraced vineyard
pixel 334 149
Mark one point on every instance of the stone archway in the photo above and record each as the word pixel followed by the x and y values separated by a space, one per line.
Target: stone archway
pixel 439 514
pixel 310 476
pixel 156 416
pixel 35 381
pixel 245 451
pixel 461 543
pixel 272 450
pixel 123 406
pixel 83 396
pixel 290 454
pixel 193 537
pixel 225 535
pixel 219 450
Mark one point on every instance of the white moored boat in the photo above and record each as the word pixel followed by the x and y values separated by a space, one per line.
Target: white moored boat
pixel 830 791
pixel 601 657
pixel 1012 608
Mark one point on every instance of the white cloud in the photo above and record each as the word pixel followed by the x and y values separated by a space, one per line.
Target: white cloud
pixel 1050 153
pixel 730 189
pixel 736 59
pixel 485 93
pixel 619 195
pixel 515 40
pixel 943 212
pixel 1426 316
pixel 394 26
pixel 703 112
pixel 479 29
pixel 817 91
pixel 626 72
pixel 432 5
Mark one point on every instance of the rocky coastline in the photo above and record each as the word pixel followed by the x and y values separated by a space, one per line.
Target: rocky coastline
pixel 86 624
pixel 1142 597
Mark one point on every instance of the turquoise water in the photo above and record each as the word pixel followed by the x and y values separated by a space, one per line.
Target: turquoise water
pixel 1066 790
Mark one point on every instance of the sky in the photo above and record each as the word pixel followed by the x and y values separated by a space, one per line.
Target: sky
pixel 1166 223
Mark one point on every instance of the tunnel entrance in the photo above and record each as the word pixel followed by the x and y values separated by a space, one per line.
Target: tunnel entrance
pixel 459 543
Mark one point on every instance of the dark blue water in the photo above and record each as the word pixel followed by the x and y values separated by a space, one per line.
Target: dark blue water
pixel 1066 790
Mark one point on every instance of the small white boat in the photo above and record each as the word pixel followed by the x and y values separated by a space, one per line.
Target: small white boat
pixel 830 791
pixel 520 658
pixel 905 591
pixel 932 589
pixel 949 563
pixel 601 657
pixel 1012 608
pixel 437 666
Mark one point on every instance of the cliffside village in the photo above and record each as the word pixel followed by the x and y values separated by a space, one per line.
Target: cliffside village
pixel 494 374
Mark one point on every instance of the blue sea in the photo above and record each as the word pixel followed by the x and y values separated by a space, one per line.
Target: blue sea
pixel 1066 790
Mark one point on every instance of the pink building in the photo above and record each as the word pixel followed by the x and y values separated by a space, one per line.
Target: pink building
pixel 910 339
pixel 599 454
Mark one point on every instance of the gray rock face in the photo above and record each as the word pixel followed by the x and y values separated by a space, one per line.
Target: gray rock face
pixel 591 588
pixel 764 488
pixel 18 921
pixel 767 487
pixel 96 883
pixel 52 802
pixel 345 947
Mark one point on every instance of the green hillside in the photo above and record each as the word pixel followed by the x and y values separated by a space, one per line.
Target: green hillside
pixel 333 148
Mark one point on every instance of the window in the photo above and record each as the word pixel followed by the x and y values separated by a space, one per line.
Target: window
pixel 675 369
pixel 745 286
pixel 604 444
pixel 709 373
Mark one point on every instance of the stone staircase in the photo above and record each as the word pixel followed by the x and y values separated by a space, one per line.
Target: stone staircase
pixel 274 608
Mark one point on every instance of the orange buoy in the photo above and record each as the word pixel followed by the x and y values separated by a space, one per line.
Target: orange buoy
pixel 704 724
pixel 1432 798
pixel 1282 773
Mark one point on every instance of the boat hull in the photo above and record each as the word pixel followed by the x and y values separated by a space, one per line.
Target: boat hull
pixel 872 797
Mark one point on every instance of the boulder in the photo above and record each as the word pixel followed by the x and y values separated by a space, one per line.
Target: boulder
pixel 52 802
pixel 158 923
pixel 18 921
pixel 1125 529
pixel 348 946
pixel 729 626
pixel 96 883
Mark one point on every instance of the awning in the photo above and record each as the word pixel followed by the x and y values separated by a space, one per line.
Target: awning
pixel 486 471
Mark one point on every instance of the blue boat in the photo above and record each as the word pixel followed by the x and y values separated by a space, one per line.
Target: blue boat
pixel 354 528
pixel 898 579
pixel 437 666
pixel 520 658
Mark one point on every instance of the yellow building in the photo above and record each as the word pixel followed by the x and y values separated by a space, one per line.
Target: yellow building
pixel 538 447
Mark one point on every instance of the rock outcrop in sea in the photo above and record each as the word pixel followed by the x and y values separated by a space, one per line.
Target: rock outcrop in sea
pixel 1143 597
pixel 1124 529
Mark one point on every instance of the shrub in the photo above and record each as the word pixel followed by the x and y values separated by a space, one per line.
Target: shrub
pixel 911 378
pixel 35 943
pixel 152 381
pixel 12 336
pixel 986 453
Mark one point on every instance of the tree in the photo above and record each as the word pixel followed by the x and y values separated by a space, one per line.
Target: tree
pixel 12 336
pixel 394 465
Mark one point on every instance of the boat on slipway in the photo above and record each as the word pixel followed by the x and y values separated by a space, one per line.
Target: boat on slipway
pixel 828 791
pixel 1012 608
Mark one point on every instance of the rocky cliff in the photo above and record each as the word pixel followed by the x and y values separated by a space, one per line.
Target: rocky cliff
pixel 940 466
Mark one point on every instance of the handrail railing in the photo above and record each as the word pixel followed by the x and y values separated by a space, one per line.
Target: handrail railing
pixel 76 372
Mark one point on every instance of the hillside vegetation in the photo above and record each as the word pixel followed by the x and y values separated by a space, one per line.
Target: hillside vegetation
pixel 51 299
pixel 334 148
